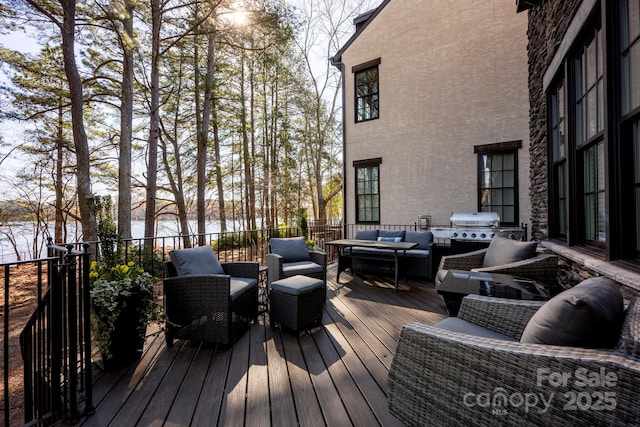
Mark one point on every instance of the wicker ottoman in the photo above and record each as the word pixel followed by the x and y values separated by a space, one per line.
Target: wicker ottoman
pixel 296 302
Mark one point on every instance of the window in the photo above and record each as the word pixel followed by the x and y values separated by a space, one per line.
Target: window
pixel 367 99
pixel 368 191
pixel 593 107
pixel 630 55
pixel 497 185
pixel 558 208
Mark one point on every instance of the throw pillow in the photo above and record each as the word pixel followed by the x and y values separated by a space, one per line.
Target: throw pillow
pixel 195 261
pixel 389 239
pixel 392 233
pixel 588 315
pixel 503 250
pixel 291 249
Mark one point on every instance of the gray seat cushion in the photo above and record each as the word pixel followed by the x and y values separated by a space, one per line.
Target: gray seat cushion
pixel 240 285
pixel 300 267
pixel 458 325
pixel 391 234
pixel 296 285
pixel 503 250
pixel 291 249
pixel 588 315
pixel 195 261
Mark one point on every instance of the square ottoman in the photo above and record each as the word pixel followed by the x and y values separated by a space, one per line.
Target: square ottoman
pixel 296 302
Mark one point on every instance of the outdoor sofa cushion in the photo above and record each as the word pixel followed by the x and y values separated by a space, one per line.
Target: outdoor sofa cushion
pixel 503 250
pixel 366 234
pixel 241 285
pixel 391 233
pixel 304 268
pixel 588 315
pixel 422 238
pixel 196 261
pixel 456 324
pixel 291 249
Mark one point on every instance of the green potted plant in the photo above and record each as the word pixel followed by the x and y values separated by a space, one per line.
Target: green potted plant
pixel 123 296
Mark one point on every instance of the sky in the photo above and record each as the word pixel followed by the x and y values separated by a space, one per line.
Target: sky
pixel 26 43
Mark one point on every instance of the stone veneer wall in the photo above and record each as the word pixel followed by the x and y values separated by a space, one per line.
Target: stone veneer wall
pixel 547 26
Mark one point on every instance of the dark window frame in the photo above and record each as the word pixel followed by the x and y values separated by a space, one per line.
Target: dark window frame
pixel 499 149
pixel 372 97
pixel 367 164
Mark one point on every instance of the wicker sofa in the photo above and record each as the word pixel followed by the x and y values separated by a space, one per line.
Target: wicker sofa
pixel 443 377
pixel 416 261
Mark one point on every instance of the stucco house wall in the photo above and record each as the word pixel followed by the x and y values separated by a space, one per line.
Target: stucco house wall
pixel 452 75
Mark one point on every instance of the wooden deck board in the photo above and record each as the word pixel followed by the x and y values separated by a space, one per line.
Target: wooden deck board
pixel 333 375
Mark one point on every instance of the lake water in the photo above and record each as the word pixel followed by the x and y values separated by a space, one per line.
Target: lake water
pixel 23 234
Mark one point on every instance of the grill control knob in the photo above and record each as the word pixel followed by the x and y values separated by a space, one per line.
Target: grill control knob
pixel 473 235
pixel 464 234
pixel 482 236
pixel 492 234
pixel 454 235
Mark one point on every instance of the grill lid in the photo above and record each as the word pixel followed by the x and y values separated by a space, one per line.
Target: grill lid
pixel 475 219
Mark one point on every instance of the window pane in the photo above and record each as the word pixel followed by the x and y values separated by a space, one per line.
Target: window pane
pixel 367 197
pixel 367 94
pixel 497 180
pixel 594 195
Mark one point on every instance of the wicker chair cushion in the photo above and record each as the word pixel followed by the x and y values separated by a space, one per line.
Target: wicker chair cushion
pixel 291 249
pixel 588 315
pixel 456 324
pixel 240 285
pixel 366 234
pixel 630 335
pixel 301 267
pixel 422 238
pixel 195 261
pixel 503 250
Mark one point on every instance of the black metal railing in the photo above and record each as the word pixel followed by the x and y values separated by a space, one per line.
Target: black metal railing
pixel 55 343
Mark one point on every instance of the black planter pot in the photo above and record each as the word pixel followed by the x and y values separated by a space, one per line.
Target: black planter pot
pixel 127 339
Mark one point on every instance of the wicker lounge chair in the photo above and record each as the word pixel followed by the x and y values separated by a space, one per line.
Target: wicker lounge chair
pixel 441 377
pixel 540 267
pixel 210 307
pixel 289 257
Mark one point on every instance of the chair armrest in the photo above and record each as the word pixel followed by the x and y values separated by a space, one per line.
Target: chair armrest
pixel 443 376
pixel 505 316
pixel 248 269
pixel 274 262
pixel 466 261
pixel 541 268
pixel 318 257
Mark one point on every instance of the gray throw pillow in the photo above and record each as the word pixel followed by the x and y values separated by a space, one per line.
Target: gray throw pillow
pixel 291 249
pixel 391 233
pixel 503 250
pixel 588 315
pixel 195 261
pixel 422 238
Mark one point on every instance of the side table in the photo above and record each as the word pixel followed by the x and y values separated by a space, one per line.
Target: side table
pixel 459 283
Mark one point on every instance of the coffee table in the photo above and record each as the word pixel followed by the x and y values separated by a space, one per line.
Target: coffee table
pixel 459 283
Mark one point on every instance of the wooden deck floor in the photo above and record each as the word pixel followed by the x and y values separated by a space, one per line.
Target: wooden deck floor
pixel 336 375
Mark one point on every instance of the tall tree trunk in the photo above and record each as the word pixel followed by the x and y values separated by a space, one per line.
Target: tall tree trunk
pixel 203 137
pixel 87 218
pixel 154 125
pixel 218 167
pixel 126 125
pixel 59 219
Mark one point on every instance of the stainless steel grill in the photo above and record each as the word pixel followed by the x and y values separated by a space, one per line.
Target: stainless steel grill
pixel 474 226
